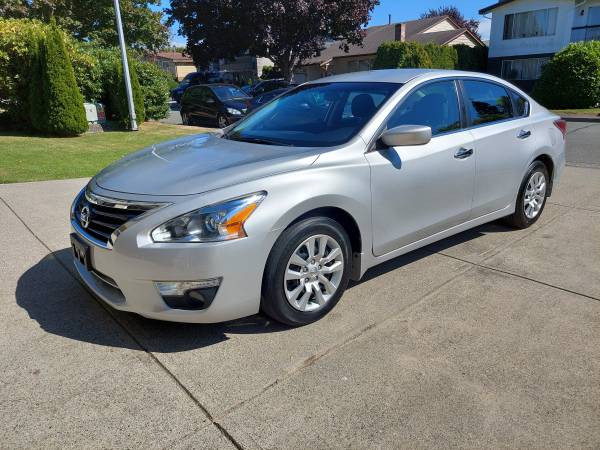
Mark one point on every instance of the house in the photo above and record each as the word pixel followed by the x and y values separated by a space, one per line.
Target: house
pixel 245 67
pixel 176 63
pixel 525 34
pixel 333 60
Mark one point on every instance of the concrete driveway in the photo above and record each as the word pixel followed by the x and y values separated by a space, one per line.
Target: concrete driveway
pixel 487 339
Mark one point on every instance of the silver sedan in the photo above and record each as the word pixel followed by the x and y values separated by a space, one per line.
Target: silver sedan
pixel 338 175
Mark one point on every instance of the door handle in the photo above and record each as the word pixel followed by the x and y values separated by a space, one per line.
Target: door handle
pixel 463 153
pixel 524 134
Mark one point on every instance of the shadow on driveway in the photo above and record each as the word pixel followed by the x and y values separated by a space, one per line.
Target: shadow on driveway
pixel 61 306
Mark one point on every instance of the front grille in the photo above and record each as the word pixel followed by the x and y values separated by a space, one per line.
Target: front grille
pixel 103 216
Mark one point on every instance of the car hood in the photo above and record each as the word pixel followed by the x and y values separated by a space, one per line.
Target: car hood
pixel 200 163
pixel 237 103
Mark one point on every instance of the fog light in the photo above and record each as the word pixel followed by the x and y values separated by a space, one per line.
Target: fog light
pixel 190 295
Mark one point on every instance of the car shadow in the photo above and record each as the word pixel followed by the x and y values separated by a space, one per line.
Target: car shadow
pixel 52 296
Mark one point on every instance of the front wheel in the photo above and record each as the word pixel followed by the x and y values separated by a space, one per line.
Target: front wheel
pixel 221 121
pixel 185 119
pixel 532 196
pixel 307 271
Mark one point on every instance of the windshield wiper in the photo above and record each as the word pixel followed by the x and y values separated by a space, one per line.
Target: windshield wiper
pixel 254 140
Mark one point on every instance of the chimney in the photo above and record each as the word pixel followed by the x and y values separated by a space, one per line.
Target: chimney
pixel 400 34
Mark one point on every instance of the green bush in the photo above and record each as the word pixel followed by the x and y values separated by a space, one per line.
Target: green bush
pixel 397 54
pixel 442 56
pixel 571 79
pixel 18 40
pixel 471 58
pixel 155 88
pixel 59 108
pixel 118 108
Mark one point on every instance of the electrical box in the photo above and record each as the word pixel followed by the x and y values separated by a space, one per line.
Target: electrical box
pixel 91 113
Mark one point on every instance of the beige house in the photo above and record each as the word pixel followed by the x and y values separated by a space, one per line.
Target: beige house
pixel 333 60
pixel 176 63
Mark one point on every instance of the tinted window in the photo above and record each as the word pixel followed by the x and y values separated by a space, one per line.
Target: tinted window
pixel 313 115
pixel 194 95
pixel 434 105
pixel 521 105
pixel 486 102
pixel 228 92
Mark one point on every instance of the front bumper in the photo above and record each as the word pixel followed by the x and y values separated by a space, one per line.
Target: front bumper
pixel 124 276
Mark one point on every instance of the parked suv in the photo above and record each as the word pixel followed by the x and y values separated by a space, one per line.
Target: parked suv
pixel 338 175
pixel 267 85
pixel 214 104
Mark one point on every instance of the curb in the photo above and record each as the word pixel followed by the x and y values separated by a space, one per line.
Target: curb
pixel 591 119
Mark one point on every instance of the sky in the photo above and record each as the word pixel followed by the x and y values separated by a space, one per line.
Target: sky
pixel 402 11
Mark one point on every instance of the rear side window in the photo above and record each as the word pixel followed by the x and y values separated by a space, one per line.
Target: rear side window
pixel 486 102
pixel 434 105
pixel 520 105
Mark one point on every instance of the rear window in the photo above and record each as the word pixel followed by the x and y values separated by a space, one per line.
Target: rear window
pixel 486 102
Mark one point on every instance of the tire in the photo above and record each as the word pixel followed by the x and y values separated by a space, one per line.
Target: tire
pixel 525 214
pixel 301 300
pixel 222 121
pixel 185 120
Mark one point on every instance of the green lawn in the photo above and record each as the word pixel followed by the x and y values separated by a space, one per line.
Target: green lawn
pixel 577 112
pixel 33 158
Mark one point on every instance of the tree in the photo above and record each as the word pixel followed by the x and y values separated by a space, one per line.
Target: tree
pixel 454 13
pixel 571 79
pixel 94 20
pixel 57 104
pixel 285 31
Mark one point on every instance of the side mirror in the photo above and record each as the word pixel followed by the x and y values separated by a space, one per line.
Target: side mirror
pixel 406 135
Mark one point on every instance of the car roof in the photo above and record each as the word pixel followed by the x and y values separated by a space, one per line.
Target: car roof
pixel 218 84
pixel 395 75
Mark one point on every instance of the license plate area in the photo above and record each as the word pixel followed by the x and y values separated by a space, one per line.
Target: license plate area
pixel 81 251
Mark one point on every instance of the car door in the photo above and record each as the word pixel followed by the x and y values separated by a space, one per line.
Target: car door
pixel 420 190
pixel 213 105
pixel 502 143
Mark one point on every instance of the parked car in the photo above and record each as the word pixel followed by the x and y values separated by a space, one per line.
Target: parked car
pixel 220 104
pixel 191 79
pixel 265 98
pixel 334 177
pixel 266 85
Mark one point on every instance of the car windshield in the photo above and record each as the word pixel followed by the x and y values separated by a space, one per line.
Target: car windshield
pixel 228 92
pixel 315 115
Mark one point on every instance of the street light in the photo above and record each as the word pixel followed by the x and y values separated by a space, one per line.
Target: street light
pixel 130 103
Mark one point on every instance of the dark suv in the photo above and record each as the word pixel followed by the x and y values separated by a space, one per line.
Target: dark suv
pixel 220 104
pixel 267 85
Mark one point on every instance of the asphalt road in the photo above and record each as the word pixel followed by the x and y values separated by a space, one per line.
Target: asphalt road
pixel 583 147
pixel 487 339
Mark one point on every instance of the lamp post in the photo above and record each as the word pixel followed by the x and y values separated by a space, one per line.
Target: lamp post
pixel 130 103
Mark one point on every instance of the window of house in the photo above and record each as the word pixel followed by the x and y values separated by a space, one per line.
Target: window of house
pixel 523 69
pixel 434 105
pixel 487 102
pixel 541 22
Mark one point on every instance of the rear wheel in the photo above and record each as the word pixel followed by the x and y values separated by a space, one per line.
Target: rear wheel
pixel 307 271
pixel 532 196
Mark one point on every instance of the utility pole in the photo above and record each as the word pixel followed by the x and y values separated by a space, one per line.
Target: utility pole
pixel 130 103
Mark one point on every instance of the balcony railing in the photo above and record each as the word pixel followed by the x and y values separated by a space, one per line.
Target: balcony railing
pixel 589 33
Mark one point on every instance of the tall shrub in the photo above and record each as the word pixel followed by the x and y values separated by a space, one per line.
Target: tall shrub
pixel 118 106
pixel 442 56
pixel 18 40
pixel 398 54
pixel 571 79
pixel 62 103
pixel 471 58
pixel 155 88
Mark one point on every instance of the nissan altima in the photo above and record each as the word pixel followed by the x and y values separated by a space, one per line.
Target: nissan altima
pixel 279 211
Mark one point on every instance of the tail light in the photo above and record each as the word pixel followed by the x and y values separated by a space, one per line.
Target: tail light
pixel 561 124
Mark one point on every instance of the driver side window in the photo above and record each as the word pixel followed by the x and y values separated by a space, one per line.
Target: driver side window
pixel 434 105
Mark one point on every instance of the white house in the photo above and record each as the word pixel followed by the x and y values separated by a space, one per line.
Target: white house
pixel 525 34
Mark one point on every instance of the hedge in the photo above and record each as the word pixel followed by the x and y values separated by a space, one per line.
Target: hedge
pixel 571 79
pixel 397 54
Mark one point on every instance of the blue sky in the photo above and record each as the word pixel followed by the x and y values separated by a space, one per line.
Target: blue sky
pixel 402 11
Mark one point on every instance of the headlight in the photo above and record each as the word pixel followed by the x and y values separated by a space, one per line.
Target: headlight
pixel 234 112
pixel 219 222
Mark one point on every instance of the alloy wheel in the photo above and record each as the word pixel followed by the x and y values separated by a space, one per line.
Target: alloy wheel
pixel 313 273
pixel 222 122
pixel 535 194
